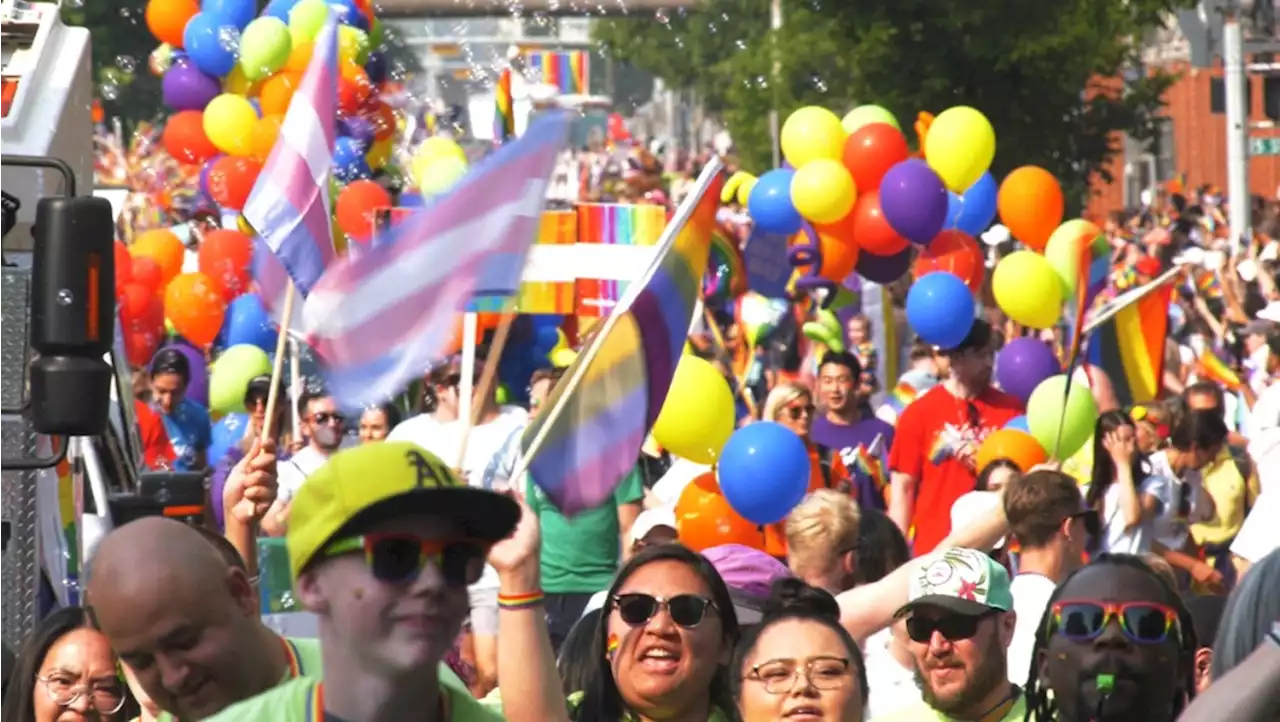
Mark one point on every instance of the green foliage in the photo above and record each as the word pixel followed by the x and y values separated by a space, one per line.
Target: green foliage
pixel 121 45
pixel 1026 65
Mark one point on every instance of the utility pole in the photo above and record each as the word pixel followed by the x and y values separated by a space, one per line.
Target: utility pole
pixel 775 128
pixel 1234 80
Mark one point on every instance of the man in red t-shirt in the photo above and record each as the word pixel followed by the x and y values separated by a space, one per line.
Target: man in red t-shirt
pixel 936 442
pixel 157 451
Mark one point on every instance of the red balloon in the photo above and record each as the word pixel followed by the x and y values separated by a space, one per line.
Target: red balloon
pixel 141 321
pixel 383 119
pixel 230 180
pixel 226 257
pixel 356 207
pixel 354 89
pixel 124 265
pixel 871 151
pixel 184 137
pixel 870 229
pixel 146 272
pixel 955 252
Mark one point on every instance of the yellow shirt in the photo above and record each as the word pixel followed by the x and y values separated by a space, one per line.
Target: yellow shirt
pixel 1232 495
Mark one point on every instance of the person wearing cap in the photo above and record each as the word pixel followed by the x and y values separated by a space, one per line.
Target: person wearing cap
pixel 960 620
pixel 383 541
pixel 653 526
pixel 934 453
pixel 186 422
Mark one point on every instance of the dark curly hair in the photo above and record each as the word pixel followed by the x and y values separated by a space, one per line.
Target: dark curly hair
pixel 1041 706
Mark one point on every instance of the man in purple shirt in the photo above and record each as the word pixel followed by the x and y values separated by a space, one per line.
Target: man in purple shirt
pixel 846 425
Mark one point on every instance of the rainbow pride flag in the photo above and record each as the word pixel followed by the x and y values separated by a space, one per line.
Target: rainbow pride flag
pixel 570 72
pixel 504 118
pixel 614 224
pixel 588 437
pixel 1129 346
pixel 871 467
pixel 1215 369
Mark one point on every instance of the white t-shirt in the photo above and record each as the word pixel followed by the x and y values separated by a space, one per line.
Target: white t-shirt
pixel 291 472
pixel 1259 535
pixel 1170 529
pixel 892 686
pixel 1031 594
pixel 1265 450
pixel 1115 538
pixel 1266 412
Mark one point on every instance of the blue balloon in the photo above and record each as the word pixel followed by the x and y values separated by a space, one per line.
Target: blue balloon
pixel 279 9
pixel 210 41
pixel 349 13
pixel 1019 423
pixel 974 211
pixel 940 309
pixel 228 432
pixel 764 472
pixel 546 339
pixel 348 160
pixel 247 322
pixel 770 203
pixel 238 12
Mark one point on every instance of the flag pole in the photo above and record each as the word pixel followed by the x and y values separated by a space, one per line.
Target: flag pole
pixel 277 367
pixel 466 385
pixel 488 375
pixel 743 391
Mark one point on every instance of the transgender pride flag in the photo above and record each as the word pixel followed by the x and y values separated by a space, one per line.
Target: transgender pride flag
pixel 289 204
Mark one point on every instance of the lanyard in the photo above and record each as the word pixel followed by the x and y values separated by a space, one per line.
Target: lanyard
pixel 292 659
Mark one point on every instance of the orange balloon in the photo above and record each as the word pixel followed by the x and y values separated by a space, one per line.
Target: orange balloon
pixel 277 92
pixel 166 19
pixel 839 256
pixel 704 518
pixel 354 88
pixel 955 252
pixel 870 229
pixel 163 247
pixel 357 207
pixel 195 307
pixel 454 344
pixel 300 57
pixel 124 264
pixel 1031 205
pixel 1017 446
pixel 264 135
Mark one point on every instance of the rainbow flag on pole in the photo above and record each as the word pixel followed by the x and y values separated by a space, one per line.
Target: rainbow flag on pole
pixel 504 118
pixel 588 437
pixel 1129 345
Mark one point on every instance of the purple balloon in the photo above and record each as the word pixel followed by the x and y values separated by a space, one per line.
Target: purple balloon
pixel 198 388
pixel 186 88
pixel 358 128
pixel 914 200
pixel 883 269
pixel 1022 364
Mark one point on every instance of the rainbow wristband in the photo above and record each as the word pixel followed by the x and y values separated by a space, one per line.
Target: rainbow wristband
pixel 520 601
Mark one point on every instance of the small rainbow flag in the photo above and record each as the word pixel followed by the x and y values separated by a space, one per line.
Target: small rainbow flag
pixel 1214 368
pixel 1093 270
pixel 940 450
pixel 1129 346
pixel 869 465
pixel 590 432
pixel 504 118
pixel 1207 285
pixel 569 72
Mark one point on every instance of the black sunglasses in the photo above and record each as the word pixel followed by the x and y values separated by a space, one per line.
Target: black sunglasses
pixel 796 412
pixel 954 627
pixel 1092 524
pixel 325 417
pixel 686 610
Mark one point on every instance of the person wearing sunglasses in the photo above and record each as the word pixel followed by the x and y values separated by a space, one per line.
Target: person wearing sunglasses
pixel 1117 644
pixel 959 622
pixel 383 541
pixel 324 427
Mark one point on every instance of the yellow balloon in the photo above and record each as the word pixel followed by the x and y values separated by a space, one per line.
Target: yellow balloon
pixel 438 146
pixel 228 123
pixel 563 358
pixel 237 83
pixel 353 45
pixel 823 191
pixel 1027 289
pixel 866 115
pixel 811 133
pixel 697 417
pixel 1063 251
pixel 960 147
pixel 439 175
pixel 562 341
pixel 379 153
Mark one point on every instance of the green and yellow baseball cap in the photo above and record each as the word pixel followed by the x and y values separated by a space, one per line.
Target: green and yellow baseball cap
pixel 366 484
pixel 962 581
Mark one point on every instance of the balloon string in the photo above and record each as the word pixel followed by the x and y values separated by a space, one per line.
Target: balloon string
pixel 810 254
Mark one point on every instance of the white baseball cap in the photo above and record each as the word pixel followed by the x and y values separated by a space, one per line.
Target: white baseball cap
pixel 650 519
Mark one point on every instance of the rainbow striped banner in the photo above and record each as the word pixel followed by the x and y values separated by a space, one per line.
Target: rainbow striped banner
pixel 570 72
pixel 613 224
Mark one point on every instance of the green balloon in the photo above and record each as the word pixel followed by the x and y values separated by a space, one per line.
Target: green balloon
pixel 866 115
pixel 376 35
pixel 1060 429
pixel 306 18
pixel 264 47
pixel 230 376
pixel 502 395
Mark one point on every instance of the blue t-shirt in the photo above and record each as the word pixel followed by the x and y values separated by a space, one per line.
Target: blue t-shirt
pixel 190 432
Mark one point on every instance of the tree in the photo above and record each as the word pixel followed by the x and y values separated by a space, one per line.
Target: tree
pixel 1032 68
pixel 121 47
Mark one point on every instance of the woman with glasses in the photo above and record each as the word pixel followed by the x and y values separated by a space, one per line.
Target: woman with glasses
pixel 666 628
pixel 66 671
pixel 799 662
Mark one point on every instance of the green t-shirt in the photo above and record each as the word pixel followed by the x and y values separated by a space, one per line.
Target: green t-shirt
pixel 294 702
pixel 580 555
pixel 924 713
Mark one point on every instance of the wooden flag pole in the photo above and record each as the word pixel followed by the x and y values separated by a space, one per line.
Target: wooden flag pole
pixel 488 376
pixel 724 350
pixel 277 367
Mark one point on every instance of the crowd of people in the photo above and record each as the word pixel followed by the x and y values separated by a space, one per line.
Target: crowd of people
pixel 1136 580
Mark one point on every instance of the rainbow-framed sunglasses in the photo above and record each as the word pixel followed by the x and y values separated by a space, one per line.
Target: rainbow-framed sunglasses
pixel 398 558
pixel 1084 620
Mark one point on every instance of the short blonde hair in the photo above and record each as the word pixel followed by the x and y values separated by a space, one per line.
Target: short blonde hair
pixel 780 396
pixel 820 529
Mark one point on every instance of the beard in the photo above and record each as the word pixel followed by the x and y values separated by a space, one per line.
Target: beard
pixel 987 675
pixel 327 437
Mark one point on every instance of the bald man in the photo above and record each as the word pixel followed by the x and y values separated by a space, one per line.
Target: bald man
pixel 186 622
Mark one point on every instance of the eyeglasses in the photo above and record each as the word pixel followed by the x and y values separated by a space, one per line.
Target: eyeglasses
pixel 106 699
pixel 399 558
pixel 686 610
pixel 795 413
pixel 1141 622
pixel 953 627
pixel 324 417
pixel 779 676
